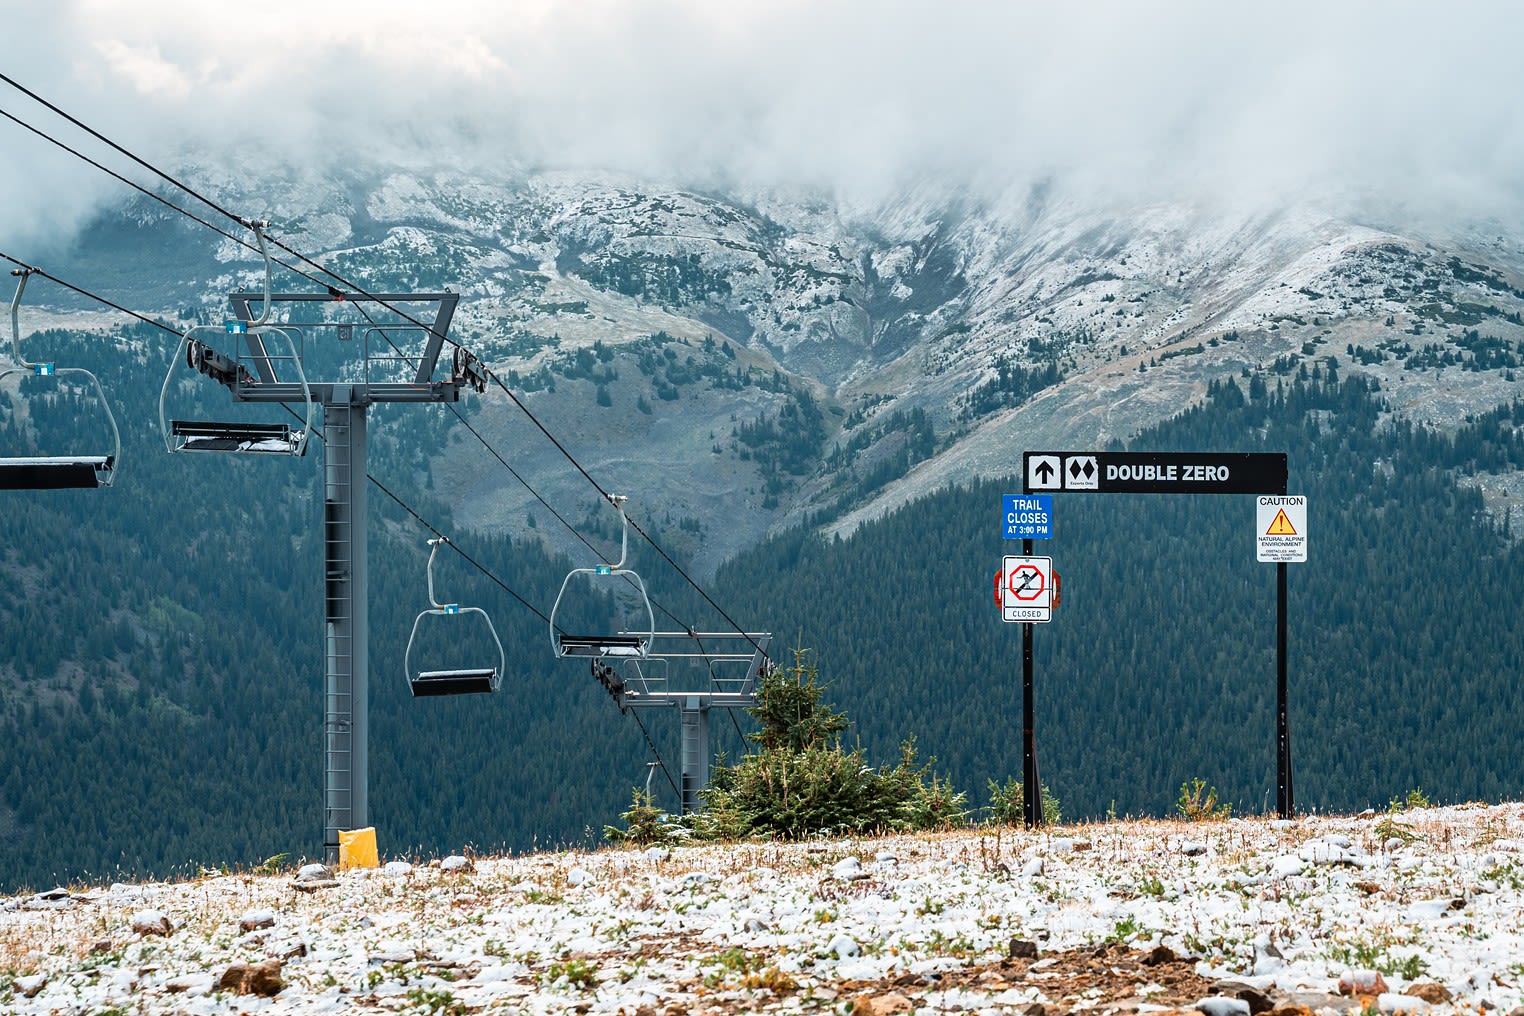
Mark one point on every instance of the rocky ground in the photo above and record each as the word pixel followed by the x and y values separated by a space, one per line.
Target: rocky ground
pixel 1406 910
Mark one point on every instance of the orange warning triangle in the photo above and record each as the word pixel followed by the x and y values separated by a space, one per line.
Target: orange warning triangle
pixel 1281 526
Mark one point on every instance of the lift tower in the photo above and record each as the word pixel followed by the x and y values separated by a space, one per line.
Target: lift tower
pixel 379 368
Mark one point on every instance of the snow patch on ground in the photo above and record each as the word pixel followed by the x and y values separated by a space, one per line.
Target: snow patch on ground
pixel 1432 899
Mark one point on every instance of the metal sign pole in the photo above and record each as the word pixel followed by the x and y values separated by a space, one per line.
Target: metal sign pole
pixel 1180 473
pixel 1031 792
pixel 1284 800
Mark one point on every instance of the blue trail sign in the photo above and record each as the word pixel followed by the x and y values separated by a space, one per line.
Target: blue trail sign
pixel 1026 516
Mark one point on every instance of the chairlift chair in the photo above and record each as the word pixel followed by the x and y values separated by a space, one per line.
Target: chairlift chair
pixel 460 681
pixel 620 645
pixel 223 436
pixel 55 472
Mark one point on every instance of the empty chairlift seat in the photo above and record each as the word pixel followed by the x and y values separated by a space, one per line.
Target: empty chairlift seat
pixel 263 350
pixel 459 681
pixel 55 472
pixel 619 645
pixel 453 682
pixel 203 436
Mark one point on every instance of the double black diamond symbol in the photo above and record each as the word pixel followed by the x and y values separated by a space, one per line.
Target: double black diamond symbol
pixel 1081 470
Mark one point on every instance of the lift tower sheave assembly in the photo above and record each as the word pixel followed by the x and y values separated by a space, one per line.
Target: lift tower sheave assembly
pixel 384 370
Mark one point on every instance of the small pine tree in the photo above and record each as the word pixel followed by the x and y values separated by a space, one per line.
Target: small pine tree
pixel 802 782
pixel 789 708
pixel 644 823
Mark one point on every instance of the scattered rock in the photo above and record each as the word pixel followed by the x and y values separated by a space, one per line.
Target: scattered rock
pixel 392 952
pixel 1159 954
pixel 455 864
pixel 845 947
pixel 253 920
pixel 1032 868
pixel 1258 1001
pixel 30 985
pixel 848 869
pixel 1021 949
pixel 150 922
pixel 1432 993
pixel 881 1005
pixel 289 951
pixel 578 876
pixel 396 869
pixel 1193 849
pixel 656 853
pixel 1286 866
pixel 1362 982
pixel 1393 1002
pixel 261 978
pixel 1223 1005
pixel 313 877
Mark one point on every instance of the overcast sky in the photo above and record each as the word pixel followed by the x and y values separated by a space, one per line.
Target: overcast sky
pixel 1417 103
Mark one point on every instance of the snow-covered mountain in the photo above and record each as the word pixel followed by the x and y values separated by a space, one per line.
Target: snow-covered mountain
pixel 739 362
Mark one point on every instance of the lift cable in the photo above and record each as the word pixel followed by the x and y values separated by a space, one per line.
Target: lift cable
pixel 405 506
pixel 155 197
pixel 370 476
pixel 381 330
pixel 659 761
pixel 362 292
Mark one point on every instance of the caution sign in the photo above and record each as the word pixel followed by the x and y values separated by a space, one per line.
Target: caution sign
pixel 1280 528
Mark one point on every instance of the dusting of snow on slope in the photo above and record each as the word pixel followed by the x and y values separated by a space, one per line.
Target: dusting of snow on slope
pixel 987 920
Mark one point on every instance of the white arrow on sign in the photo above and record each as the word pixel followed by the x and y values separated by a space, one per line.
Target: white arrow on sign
pixel 1044 472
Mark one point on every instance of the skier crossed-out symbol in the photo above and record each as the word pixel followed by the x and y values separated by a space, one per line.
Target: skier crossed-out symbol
pixel 1026 582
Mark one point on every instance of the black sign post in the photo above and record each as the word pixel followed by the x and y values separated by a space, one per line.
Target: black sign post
pixel 1165 473
pixel 1031 787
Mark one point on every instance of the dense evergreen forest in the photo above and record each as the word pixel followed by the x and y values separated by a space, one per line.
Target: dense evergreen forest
pixel 160 704
pixel 1160 665
pixel 161 699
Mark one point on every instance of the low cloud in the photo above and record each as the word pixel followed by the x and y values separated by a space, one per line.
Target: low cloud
pixel 1404 103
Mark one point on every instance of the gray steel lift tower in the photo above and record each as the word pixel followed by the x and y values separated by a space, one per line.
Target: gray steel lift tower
pixel 378 371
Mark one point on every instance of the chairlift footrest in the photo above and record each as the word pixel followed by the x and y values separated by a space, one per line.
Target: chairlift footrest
pixel 199 436
pixel 54 473
pixel 602 645
pixel 453 682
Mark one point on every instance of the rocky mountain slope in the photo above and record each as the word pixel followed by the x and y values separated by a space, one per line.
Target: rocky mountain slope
pixel 744 362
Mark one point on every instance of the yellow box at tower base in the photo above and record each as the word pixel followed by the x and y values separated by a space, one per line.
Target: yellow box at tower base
pixel 357 848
